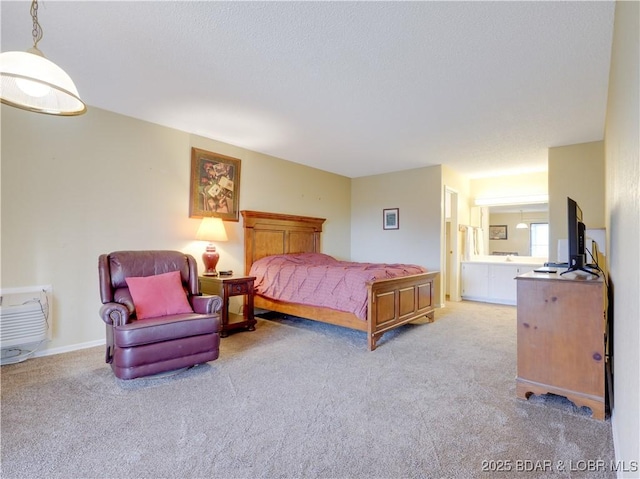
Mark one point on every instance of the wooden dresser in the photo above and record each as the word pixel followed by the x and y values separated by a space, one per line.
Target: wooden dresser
pixel 561 338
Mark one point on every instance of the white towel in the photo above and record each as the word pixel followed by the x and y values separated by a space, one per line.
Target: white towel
pixel 480 241
pixel 468 244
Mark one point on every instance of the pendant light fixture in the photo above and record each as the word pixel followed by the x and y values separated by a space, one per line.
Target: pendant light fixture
pixel 31 82
pixel 522 225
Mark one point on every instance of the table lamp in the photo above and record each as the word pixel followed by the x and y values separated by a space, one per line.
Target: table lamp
pixel 211 229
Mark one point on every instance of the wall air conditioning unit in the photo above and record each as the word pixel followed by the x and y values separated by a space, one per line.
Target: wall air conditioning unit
pixel 25 321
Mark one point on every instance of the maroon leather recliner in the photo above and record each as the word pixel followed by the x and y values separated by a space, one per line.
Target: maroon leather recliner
pixel 145 347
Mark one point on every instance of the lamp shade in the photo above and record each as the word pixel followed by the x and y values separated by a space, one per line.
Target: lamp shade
pixel 31 82
pixel 211 229
pixel 522 225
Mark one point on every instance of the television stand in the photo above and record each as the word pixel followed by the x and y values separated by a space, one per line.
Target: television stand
pixel 581 268
pixel 561 339
pixel 577 263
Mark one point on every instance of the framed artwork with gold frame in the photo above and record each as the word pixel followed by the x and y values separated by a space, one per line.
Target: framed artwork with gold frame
pixel 215 185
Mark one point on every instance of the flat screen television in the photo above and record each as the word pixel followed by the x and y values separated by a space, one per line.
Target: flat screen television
pixel 576 230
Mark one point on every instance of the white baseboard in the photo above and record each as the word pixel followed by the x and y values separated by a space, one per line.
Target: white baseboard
pixel 616 442
pixel 67 349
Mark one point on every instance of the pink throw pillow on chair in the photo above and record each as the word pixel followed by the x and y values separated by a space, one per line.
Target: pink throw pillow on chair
pixel 158 295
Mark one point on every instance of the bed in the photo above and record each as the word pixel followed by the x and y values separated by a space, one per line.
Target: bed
pixel 391 302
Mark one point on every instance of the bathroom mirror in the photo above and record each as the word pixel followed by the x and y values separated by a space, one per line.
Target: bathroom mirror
pixel 530 241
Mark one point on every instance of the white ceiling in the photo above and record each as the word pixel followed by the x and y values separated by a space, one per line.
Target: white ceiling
pixel 354 88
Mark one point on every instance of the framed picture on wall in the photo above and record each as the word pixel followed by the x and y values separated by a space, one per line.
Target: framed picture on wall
pixel 215 185
pixel 498 232
pixel 391 219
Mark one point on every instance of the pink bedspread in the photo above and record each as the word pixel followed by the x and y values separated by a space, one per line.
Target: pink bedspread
pixel 321 280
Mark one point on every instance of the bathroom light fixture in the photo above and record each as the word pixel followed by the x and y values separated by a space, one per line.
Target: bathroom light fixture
pixel 522 225
pixel 31 82
pixel 512 200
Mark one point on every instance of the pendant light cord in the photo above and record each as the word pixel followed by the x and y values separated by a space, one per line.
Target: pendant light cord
pixel 37 29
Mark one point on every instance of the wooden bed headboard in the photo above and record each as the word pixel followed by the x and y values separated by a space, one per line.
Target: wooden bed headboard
pixel 266 234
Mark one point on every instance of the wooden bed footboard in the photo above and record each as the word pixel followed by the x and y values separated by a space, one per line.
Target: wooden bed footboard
pixel 397 301
pixel 391 302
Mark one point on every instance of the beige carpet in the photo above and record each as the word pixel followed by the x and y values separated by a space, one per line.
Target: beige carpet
pixel 298 399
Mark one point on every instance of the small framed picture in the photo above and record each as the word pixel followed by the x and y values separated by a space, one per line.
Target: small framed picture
pixel 391 219
pixel 498 232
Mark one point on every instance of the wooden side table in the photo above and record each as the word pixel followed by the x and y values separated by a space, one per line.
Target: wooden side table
pixel 225 287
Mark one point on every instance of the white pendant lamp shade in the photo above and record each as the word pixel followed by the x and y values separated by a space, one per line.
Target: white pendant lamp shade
pixel 31 82
pixel 522 225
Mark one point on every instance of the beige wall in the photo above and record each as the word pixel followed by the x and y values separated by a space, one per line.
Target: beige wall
pixel 418 195
pixel 272 184
pixel 73 188
pixel 623 227
pixel 462 186
pixel 575 171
